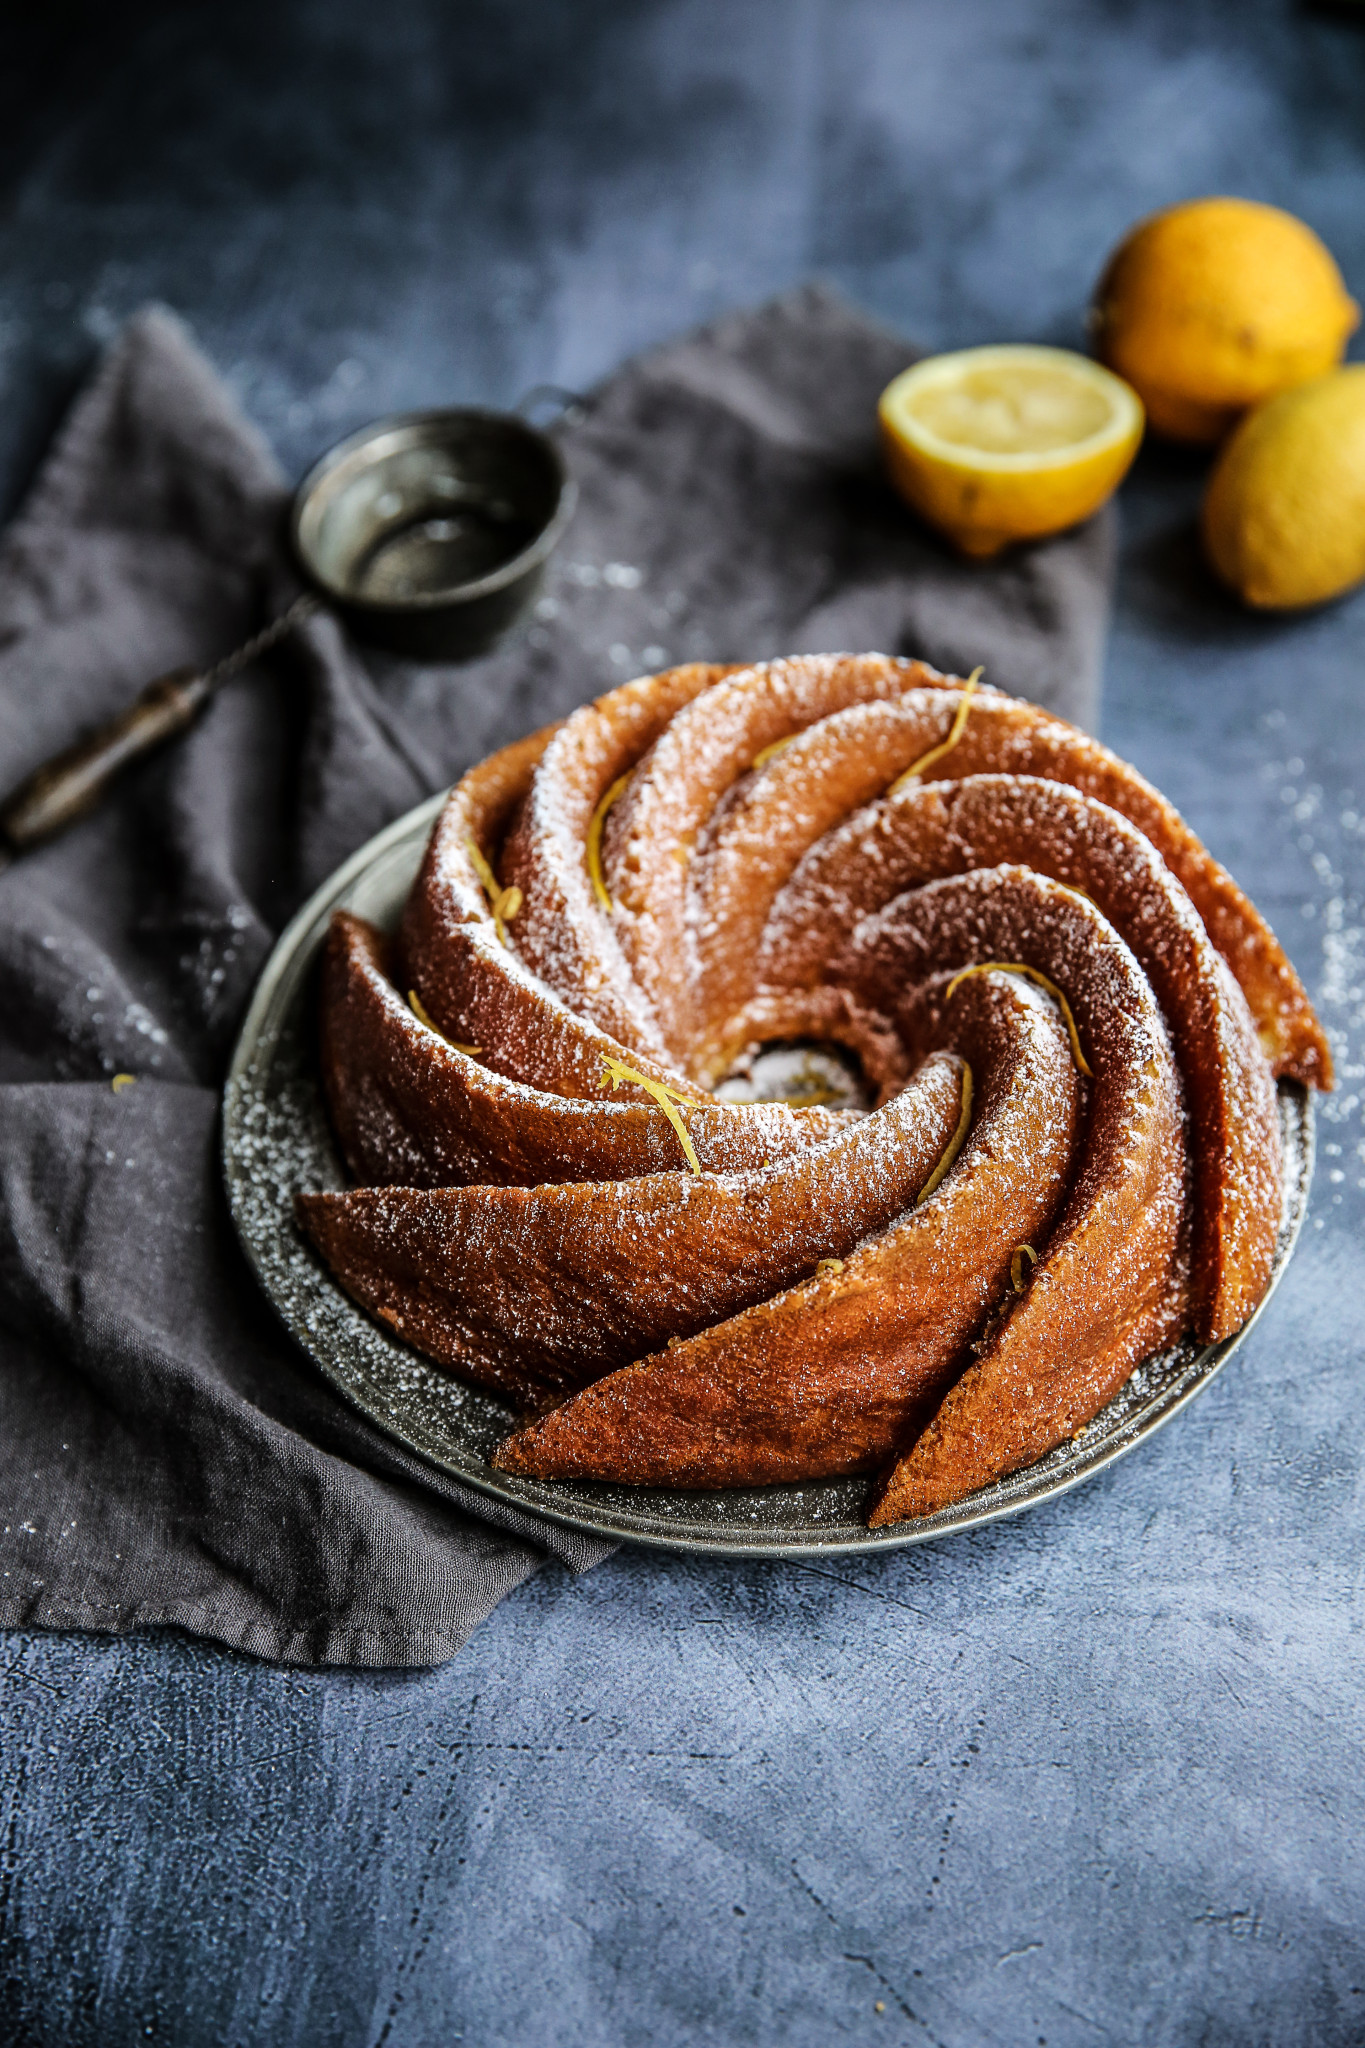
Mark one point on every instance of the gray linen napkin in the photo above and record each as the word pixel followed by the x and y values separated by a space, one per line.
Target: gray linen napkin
pixel 166 1456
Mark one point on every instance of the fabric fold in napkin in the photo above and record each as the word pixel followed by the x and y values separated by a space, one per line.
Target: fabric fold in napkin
pixel 166 1455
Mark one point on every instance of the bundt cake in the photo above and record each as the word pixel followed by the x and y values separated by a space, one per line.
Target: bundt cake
pixel 1026 1032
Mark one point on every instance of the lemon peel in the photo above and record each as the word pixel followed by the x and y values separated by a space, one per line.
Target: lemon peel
pixel 504 903
pixel 955 732
pixel 1283 519
pixel 955 1143
pixel 1022 1252
pixel 418 1009
pixel 594 841
pixel 616 1071
pixel 829 1265
pixel 1031 974
pixel 122 1081
pixel 771 752
pixel 1213 306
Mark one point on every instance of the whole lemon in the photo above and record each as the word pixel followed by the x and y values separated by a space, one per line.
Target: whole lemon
pixel 1284 514
pixel 1212 306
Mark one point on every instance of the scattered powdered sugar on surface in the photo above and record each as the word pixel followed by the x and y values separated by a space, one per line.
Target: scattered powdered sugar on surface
pixel 1328 833
pixel 93 1022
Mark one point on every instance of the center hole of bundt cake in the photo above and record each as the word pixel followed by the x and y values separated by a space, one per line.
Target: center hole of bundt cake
pixel 808 1073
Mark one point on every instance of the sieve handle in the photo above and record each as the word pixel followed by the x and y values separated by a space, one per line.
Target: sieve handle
pixel 69 785
pixel 72 783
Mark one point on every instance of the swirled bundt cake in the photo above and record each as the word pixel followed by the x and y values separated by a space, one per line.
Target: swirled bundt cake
pixel 1062 1018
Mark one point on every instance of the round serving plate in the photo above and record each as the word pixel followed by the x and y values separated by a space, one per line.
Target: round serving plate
pixel 276 1140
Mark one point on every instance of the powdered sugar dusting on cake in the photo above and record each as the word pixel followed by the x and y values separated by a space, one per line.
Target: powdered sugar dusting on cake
pixel 792 1307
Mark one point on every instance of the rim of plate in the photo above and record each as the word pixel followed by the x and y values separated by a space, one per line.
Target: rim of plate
pixel 275 1139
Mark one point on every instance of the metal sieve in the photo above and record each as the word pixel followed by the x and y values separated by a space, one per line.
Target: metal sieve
pixel 426 532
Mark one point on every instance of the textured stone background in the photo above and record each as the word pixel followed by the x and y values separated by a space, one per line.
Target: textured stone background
pixel 1092 1776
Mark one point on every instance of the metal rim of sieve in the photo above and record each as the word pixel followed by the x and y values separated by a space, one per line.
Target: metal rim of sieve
pixel 344 464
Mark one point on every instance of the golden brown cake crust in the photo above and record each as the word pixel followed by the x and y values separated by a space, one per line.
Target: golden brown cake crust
pixel 413 1110
pixel 1067 1014
pixel 931 831
pixel 826 1377
pixel 573 1280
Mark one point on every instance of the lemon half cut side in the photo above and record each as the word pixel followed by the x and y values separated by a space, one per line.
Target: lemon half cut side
pixel 993 445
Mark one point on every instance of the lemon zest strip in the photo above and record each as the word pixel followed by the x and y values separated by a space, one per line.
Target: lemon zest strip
pixel 122 1081
pixel 418 1009
pixel 594 845
pixel 955 1143
pixel 955 732
pixel 504 903
pixel 1032 974
pixel 616 1071
pixel 1016 1266
pixel 829 1265
pixel 487 879
pixel 771 752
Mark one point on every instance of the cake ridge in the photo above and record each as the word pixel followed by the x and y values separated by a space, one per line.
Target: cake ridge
pixel 1023 951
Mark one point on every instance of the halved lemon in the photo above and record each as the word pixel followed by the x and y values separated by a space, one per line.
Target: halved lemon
pixel 994 445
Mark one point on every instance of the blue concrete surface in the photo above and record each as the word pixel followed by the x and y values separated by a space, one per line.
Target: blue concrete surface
pixel 1090 1776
